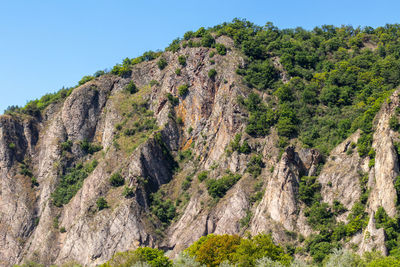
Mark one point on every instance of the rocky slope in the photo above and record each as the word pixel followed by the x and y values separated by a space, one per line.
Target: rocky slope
pixel 196 132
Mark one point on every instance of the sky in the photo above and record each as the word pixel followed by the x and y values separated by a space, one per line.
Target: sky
pixel 47 44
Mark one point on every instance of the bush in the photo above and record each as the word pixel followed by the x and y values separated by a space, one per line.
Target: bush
pixel 187 183
pixel 319 216
pixel 85 79
pixel 260 246
pixel 89 148
pixel 153 257
pixel 174 46
pixel 71 182
pixel 245 148
pixel 207 40
pixel 184 260
pixel 122 71
pixel 66 146
pixel 394 123
pixel 162 63
pixel 371 163
pixel 178 72
pixel 131 87
pixel 221 49
pixel 261 118
pixel 117 180
pixel 216 250
pixel 203 175
pixel 173 100
pixel 244 222
pixel 212 73
pixel 260 75
pixel 255 165
pixel 309 190
pixel 217 188
pixel 364 144
pixel 188 35
pixel 212 250
pixel 101 203
pixel 128 192
pixel 183 89
pixel 99 73
pixel 182 60
pixel 154 82
pixel 34 182
pixel 357 219
pixel 163 209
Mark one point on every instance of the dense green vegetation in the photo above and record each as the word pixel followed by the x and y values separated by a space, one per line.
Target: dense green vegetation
pixel 322 218
pixel 212 250
pixel 217 188
pixel 164 210
pixel 337 83
pixel 231 251
pixel 117 180
pixel 89 148
pixel 154 257
pixel 71 182
pixel 34 107
pixel 392 231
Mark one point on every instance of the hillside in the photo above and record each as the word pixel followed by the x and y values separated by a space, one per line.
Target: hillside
pixel 237 129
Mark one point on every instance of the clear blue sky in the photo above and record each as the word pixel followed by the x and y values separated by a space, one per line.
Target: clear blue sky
pixel 48 44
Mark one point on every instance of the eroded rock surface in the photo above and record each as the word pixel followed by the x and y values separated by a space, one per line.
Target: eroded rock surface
pixel 201 124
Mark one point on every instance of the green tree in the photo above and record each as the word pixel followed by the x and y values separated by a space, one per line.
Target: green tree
pixel 207 40
pixel 101 203
pixel 258 247
pixel 215 249
pixel 154 257
pixel 131 87
pixel 221 49
pixel 182 60
pixel 162 63
pixel 183 89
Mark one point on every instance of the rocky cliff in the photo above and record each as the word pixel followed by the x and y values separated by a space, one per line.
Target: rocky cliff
pixel 159 140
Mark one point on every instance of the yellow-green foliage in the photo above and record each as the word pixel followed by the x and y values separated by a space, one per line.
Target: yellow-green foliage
pixel 212 250
pixel 153 257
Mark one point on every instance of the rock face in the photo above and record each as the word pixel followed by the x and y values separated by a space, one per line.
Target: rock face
pixel 197 130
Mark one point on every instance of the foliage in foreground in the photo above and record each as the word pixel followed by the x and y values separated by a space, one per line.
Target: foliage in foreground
pixel 153 257
pixel 234 251
pixel 213 250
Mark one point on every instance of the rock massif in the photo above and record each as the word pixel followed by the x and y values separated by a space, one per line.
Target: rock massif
pixel 196 127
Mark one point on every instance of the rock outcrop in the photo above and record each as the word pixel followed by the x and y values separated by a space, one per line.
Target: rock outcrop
pixel 196 130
